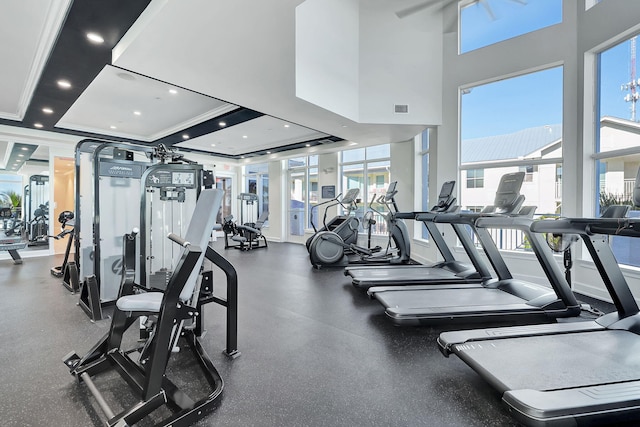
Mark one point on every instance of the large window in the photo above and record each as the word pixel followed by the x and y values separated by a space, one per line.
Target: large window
pixel 504 131
pixel 483 23
pixel 617 151
pixel 368 169
pixel 303 190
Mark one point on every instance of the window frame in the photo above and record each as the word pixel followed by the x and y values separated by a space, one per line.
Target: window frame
pixel 380 228
pixel 308 204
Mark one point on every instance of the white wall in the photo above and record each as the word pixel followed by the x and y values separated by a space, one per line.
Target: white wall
pixel 357 59
pixel 327 63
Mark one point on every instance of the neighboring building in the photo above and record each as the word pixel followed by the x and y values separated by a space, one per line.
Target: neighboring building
pixel 618 173
pixel 543 183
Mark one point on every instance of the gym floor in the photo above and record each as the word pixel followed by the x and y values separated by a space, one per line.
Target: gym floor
pixel 315 352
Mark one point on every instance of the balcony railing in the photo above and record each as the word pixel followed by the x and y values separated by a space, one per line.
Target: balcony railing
pixel 629 184
pixel 508 240
pixel 627 189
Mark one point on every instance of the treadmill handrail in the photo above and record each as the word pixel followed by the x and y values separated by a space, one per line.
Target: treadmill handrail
pixel 429 216
pixel 468 218
pixel 519 223
pixel 593 232
pixel 610 226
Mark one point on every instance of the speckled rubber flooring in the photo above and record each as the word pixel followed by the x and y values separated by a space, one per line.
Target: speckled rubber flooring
pixel 315 352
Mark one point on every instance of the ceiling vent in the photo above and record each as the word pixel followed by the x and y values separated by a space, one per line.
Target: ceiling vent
pixel 401 108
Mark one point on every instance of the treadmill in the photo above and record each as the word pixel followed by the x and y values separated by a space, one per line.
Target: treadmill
pixel 445 204
pixel 503 300
pixel 507 202
pixel 572 373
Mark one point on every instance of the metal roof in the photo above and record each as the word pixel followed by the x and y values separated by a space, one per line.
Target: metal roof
pixel 509 146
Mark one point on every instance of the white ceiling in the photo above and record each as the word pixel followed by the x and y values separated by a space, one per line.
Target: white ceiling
pixel 258 134
pixel 217 55
pixel 28 31
pixel 107 107
pixel 243 52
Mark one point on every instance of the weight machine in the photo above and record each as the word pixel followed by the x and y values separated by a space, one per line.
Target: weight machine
pixel 247 235
pixel 144 366
pixel 37 210
pixel 11 241
pixel 109 176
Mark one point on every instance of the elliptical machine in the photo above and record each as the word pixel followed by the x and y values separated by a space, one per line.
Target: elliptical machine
pixel 329 249
pixel 345 226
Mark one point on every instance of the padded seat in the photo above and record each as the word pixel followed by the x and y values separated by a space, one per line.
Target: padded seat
pixel 147 301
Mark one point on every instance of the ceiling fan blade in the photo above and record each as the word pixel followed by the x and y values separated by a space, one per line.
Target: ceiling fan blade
pixel 415 8
pixel 486 6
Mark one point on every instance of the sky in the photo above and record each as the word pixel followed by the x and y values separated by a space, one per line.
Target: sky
pixel 534 99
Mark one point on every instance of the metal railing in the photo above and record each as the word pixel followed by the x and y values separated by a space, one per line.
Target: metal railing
pixel 629 185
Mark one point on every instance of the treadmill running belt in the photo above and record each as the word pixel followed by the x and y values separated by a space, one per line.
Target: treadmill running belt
pixel 552 362
pixel 435 298
pixel 408 274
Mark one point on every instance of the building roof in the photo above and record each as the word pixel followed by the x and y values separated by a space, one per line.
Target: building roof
pixel 509 146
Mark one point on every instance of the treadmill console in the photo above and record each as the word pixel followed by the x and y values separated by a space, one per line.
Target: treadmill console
pixel 445 199
pixel 508 192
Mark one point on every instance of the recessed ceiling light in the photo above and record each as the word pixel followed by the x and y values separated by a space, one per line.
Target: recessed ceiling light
pixel 65 84
pixel 222 124
pixel 47 110
pixel 242 157
pixel 307 145
pixel 112 127
pixel 245 136
pixel 185 136
pixel 268 152
pixel 137 113
pixel 24 148
pixel 173 91
pixel 353 143
pixel 344 126
pixel 286 126
pixel 38 125
pixel 213 145
pixel 20 155
pixel 95 38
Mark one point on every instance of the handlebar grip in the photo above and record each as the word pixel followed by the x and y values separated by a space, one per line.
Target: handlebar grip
pixel 179 240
